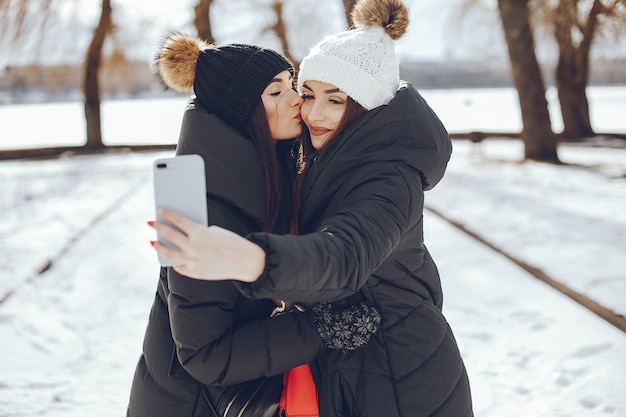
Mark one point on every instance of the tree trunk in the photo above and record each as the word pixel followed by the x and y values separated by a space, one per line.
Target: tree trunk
pixel 281 31
pixel 91 87
pixel 348 5
pixel 202 20
pixel 572 71
pixel 539 140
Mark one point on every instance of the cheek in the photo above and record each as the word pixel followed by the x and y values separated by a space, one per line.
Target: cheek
pixel 336 117
pixel 305 109
pixel 271 115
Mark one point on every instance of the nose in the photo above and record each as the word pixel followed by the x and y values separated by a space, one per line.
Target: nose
pixel 295 98
pixel 314 112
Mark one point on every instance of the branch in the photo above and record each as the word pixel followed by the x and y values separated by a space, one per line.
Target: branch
pixel 589 29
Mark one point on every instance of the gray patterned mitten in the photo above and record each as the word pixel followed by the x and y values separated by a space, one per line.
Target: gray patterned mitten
pixel 346 328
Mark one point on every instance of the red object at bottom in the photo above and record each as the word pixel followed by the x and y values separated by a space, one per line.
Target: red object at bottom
pixel 299 398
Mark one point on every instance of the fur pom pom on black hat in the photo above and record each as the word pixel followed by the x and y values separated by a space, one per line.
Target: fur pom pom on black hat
pixel 176 61
pixel 226 80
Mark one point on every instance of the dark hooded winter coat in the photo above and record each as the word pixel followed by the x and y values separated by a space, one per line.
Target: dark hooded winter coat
pixel 362 205
pixel 206 333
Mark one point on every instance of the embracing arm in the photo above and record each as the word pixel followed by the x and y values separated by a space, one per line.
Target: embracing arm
pixel 217 347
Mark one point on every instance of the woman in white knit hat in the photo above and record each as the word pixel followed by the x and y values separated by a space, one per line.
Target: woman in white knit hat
pixel 205 340
pixel 374 146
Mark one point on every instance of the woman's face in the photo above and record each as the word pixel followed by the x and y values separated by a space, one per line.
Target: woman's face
pixel 282 107
pixel 322 110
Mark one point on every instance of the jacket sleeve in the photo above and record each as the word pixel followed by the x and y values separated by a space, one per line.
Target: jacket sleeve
pixel 369 215
pixel 215 338
pixel 216 349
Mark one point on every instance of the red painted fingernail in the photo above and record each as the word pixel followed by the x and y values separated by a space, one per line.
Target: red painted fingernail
pixel 151 223
pixel 152 242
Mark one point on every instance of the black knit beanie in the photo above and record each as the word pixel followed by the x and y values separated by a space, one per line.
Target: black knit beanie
pixel 230 79
pixel 226 80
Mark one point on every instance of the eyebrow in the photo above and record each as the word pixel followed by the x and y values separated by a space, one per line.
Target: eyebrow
pixel 332 90
pixel 278 80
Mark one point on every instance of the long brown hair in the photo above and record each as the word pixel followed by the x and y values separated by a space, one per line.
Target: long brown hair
pixel 306 152
pixel 276 206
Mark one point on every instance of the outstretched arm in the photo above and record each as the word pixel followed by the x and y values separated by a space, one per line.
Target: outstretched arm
pixel 231 256
pixel 327 265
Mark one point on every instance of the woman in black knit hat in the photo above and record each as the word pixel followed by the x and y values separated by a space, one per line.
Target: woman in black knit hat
pixel 372 149
pixel 243 112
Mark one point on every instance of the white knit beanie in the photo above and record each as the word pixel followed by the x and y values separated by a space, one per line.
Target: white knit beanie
pixel 361 62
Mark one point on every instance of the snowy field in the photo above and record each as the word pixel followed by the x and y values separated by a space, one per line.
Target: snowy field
pixel 153 121
pixel 79 274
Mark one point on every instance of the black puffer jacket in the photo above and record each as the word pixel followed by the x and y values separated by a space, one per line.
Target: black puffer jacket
pixel 219 336
pixel 364 196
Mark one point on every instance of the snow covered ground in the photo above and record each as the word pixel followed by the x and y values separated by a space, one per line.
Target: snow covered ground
pixel 79 279
pixel 71 335
pixel 154 121
pixel 568 221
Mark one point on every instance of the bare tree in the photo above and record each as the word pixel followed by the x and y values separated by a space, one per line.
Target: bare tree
pixel 575 24
pixel 17 13
pixel 202 20
pixel 91 86
pixel 279 27
pixel 14 18
pixel 575 33
pixel 280 30
pixel 572 69
pixel 291 27
pixel 539 140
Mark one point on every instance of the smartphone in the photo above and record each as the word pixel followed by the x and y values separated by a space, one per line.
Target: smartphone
pixel 180 186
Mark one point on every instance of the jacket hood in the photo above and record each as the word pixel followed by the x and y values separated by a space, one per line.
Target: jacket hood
pixel 230 161
pixel 405 132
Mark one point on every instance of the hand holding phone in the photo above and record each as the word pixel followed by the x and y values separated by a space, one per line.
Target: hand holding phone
pixel 180 186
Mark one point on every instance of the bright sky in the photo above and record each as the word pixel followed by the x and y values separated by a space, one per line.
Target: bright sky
pixel 426 36
pixel 434 31
pixel 437 30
